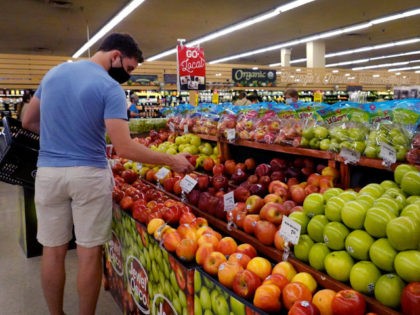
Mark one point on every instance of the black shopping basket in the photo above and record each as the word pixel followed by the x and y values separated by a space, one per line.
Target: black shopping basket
pixel 18 153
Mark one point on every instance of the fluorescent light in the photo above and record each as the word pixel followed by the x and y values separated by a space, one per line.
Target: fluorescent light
pixel 292 5
pixel 345 63
pixel 396 16
pixel 109 26
pixel 418 71
pixel 404 69
pixel 375 76
pixel 386 65
pixel 335 71
pixel 314 37
pixel 237 27
pixel 254 68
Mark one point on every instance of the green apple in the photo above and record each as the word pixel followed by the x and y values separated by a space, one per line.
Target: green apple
pixel 197 306
pixel 317 255
pixel 314 204
pixel 358 146
pixel 373 189
pixel 331 192
pixel 357 134
pixel 304 143
pixel 197 281
pixel 371 151
pixel 403 233
pixel 314 143
pixel 407 265
pixel 195 140
pixel 382 254
pixel 410 183
pixel 220 305
pixel 397 194
pixel 387 183
pixel 368 200
pixel 177 305
pixel 412 210
pixel 387 202
pixel 301 218
pixel 302 248
pixel 321 132
pixel 363 276
pixel 353 214
pixel 413 199
pixel 401 169
pixel 400 152
pixel 334 235
pixel 376 221
pixel 316 226
pixel 308 133
pixel 324 144
pixel 333 208
pixel 348 195
pixel 236 306
pixel 182 298
pixel 358 243
pixel 214 295
pixel 338 265
pixel 208 312
pixel 205 299
pixel 388 290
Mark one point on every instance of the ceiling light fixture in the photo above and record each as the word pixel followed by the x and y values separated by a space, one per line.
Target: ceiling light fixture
pixel 404 69
pixel 363 49
pixel 331 33
pixel 109 26
pixel 386 65
pixel 237 27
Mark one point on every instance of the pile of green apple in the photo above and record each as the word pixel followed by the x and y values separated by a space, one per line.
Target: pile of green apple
pixel 369 239
pixel 210 298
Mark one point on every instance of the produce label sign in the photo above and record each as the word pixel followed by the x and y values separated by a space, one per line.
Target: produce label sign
pixel 251 77
pixel 191 68
pixel 137 281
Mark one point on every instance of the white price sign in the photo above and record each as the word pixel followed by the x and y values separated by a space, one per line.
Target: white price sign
pixel 229 201
pixel 161 174
pixel 230 134
pixel 290 230
pixel 185 128
pixel 350 156
pixel 187 183
pixel 388 153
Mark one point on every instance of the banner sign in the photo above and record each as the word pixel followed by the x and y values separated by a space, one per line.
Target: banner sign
pixel 253 78
pixel 191 68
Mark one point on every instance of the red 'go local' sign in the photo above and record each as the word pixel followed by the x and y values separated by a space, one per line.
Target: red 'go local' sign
pixel 191 68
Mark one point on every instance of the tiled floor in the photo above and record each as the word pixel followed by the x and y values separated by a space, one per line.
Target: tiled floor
pixel 20 287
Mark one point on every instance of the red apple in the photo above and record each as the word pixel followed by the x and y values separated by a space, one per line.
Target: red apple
pixel 278 175
pixel 348 301
pixel 297 193
pixel 240 258
pixel 250 164
pixel 303 307
pixel 227 245
pixel 219 182
pixel 263 169
pixel 252 179
pixel 265 231
pixel 410 298
pixel 186 217
pixel 230 166
pixel 253 204
pixel 129 176
pixel 227 272
pixel 275 185
pixel 126 203
pixel 245 283
pixel 208 163
pixel 273 212
pixel 212 262
pixel 241 194
pixel 186 249
pixel 313 179
pixel 218 169
pixel 202 252
pixel 203 182
pixel 278 164
pixel 247 249
pixel 250 221
pixel 267 298
pixel 277 279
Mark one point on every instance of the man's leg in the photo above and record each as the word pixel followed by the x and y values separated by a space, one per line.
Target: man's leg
pixel 53 277
pixel 89 278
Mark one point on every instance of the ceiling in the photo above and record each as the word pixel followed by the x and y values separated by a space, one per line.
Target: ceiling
pixel 60 27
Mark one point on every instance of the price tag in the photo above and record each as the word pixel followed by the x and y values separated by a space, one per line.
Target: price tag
pixel 350 156
pixel 230 134
pixel 388 153
pixel 229 201
pixel 171 127
pixel 161 174
pixel 185 128
pixel 187 183
pixel 290 230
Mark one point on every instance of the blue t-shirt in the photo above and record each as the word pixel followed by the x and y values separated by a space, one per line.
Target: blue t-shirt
pixel 133 108
pixel 76 98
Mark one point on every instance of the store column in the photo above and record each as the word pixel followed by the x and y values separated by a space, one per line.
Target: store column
pixel 315 54
pixel 285 57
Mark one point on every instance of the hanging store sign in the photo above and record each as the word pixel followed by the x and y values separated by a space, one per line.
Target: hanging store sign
pixel 191 68
pixel 253 78
pixel 144 79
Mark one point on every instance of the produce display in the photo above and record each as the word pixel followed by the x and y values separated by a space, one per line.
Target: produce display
pixel 368 239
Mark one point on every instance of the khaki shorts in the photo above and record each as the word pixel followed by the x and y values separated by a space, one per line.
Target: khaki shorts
pixel 79 196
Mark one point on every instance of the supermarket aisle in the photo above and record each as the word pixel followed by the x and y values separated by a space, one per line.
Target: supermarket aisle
pixel 20 287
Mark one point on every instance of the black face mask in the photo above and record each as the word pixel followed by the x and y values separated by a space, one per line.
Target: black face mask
pixel 119 74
